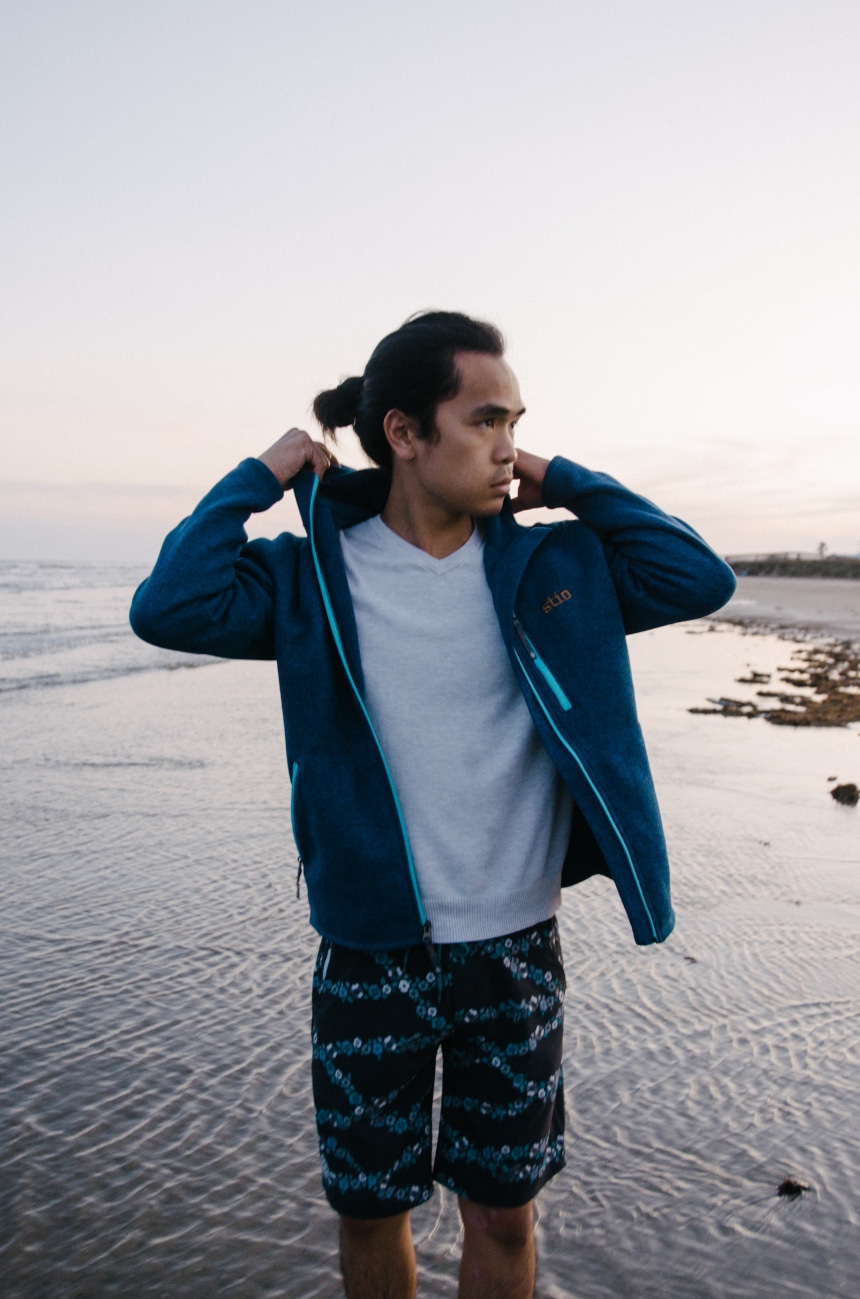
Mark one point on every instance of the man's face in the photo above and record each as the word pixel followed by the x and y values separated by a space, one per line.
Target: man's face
pixel 469 468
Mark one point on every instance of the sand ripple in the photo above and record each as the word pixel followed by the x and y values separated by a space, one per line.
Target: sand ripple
pixel 157 1130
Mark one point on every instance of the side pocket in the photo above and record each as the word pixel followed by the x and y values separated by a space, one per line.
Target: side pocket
pixel 295 779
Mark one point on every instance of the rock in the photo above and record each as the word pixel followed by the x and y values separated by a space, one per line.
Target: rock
pixel 791 1188
pixel 828 673
pixel 849 795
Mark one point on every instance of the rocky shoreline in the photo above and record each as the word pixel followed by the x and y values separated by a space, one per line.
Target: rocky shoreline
pixel 824 688
pixel 831 567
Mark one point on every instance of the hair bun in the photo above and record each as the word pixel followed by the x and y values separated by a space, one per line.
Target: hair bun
pixel 337 407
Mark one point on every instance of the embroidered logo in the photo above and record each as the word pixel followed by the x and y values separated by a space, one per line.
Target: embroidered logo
pixel 554 600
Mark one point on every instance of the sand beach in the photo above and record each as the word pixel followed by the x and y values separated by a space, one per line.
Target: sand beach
pixel 829 607
pixel 155 1109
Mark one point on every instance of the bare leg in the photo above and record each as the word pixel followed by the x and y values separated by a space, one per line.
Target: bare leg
pixel 498 1252
pixel 377 1258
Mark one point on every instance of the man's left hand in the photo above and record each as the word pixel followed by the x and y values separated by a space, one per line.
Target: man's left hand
pixel 530 470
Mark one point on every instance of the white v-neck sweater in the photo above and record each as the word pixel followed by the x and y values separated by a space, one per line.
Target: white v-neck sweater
pixel 488 816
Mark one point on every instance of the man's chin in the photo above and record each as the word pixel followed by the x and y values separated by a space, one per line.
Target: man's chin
pixel 488 509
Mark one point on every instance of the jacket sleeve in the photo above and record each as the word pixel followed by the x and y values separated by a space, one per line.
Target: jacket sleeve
pixel 211 591
pixel 662 570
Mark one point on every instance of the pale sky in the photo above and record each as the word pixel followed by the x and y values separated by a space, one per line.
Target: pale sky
pixel 212 209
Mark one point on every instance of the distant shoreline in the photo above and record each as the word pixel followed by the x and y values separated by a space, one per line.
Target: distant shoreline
pixel 804 606
pixel 844 567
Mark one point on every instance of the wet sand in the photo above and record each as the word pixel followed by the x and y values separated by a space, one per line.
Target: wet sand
pixel 157 1127
pixel 827 605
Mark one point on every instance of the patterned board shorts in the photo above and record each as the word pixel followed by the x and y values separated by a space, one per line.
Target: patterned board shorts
pixel 378 1021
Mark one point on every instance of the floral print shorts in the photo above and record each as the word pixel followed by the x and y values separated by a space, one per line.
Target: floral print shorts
pixel 379 1018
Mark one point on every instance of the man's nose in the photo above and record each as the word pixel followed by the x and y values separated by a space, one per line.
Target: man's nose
pixel 506 452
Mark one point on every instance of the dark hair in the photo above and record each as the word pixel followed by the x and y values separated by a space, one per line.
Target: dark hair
pixel 411 370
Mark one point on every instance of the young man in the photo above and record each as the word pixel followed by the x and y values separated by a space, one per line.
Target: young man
pixel 462 741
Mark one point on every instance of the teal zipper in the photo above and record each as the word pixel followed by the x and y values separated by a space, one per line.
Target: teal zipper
pixel 335 631
pixel 541 666
pixel 293 824
pixel 610 818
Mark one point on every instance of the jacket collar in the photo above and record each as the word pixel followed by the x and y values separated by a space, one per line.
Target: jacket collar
pixel 349 496
pixel 508 547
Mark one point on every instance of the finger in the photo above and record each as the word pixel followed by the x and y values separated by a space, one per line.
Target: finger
pixel 330 457
pixel 519 504
pixel 320 459
pixel 527 464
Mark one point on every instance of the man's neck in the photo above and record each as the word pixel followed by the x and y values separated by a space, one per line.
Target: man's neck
pixel 429 525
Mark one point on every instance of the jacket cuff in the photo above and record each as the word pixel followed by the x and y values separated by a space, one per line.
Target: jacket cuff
pixel 263 488
pixel 562 481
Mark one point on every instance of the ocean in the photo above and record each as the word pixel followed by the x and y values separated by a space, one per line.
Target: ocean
pixel 64 624
pixel 156 1124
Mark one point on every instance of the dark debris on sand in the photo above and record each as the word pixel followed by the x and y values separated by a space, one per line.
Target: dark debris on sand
pixel 789 1187
pixel 849 795
pixel 828 672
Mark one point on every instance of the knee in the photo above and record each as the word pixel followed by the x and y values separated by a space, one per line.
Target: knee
pixel 513 1228
pixel 369 1232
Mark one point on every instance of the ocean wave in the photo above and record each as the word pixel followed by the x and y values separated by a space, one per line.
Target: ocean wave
pixel 67 625
pixel 73 677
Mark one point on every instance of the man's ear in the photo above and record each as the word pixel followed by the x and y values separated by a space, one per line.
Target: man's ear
pixel 401 431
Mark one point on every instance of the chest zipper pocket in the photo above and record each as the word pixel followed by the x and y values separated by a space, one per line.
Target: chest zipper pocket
pixel 293 825
pixel 541 666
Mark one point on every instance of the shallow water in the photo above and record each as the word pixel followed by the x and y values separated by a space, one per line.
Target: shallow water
pixel 64 624
pixel 157 1129
pixel 829 604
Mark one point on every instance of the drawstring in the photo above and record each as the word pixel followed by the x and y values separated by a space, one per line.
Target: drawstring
pixel 433 953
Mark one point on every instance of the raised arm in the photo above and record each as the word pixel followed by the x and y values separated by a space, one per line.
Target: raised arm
pixel 662 569
pixel 211 591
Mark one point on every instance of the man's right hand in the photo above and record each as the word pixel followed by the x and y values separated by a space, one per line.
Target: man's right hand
pixel 292 452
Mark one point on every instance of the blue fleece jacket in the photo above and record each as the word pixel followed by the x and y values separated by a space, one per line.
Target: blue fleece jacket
pixel 566 595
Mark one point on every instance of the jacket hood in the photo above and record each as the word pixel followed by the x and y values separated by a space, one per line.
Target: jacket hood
pixel 352 495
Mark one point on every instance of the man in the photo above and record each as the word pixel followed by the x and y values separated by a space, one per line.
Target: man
pixel 462 740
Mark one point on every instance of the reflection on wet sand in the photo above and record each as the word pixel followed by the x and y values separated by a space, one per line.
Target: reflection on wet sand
pixel 157 1127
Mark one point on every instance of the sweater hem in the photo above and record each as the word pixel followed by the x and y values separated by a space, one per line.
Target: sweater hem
pixel 476 919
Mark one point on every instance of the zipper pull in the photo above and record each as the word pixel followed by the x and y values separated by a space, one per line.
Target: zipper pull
pixel 433 953
pixel 527 645
pixel 431 950
pixel 299 879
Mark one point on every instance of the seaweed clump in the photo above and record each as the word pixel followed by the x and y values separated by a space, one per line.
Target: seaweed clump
pixel 828 672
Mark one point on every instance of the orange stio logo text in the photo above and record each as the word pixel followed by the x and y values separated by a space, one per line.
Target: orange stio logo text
pixel 554 600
